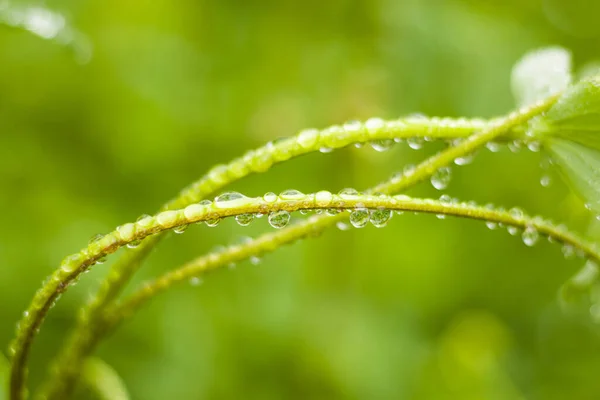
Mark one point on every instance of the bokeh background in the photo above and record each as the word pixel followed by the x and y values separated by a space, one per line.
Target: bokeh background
pixel 107 109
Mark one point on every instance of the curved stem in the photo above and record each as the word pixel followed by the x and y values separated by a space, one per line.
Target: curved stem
pixel 533 226
pixel 85 337
pixel 253 162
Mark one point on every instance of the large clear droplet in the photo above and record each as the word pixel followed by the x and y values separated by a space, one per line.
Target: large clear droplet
pixel 228 196
pixel 279 219
pixel 441 178
pixel 379 218
pixel 359 218
pixel 291 194
pixel 244 219
pixel 530 236
pixel 415 143
pixel 270 197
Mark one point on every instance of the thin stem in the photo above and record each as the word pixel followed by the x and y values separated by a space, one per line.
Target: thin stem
pixel 85 337
pixel 253 162
pixel 534 226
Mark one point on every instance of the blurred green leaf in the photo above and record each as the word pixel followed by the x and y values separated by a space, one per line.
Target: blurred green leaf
pixel 541 73
pixel 103 380
pixel 4 368
pixel 575 117
pixel 581 168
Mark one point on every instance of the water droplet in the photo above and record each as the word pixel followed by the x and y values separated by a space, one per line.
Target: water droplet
pixel 135 243
pixel 332 211
pixel 195 281
pixel 180 229
pixel 494 147
pixel 491 225
pixel 464 160
pixel 348 193
pixel 379 218
pixel 440 216
pixel 441 178
pixel 359 218
pixel 254 260
pixel 291 194
pixel 270 197
pixel 513 230
pixel 382 144
pixel 352 126
pixel 534 146
pixel 374 125
pixel 408 170
pixel 325 150
pixel 568 251
pixel 446 199
pixel 244 219
pixel 530 236
pixel 342 226
pixel 415 142
pixel 515 146
pixel 279 219
pixel 516 213
pixel 95 238
pixel 545 180
pixel 323 198
pixel 228 196
pixel 308 138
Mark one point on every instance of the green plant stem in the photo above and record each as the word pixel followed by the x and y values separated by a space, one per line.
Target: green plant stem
pixel 271 241
pixel 253 162
pixel 83 340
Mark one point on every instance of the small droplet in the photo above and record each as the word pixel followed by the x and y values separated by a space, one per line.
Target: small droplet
pixel 441 178
pixel 516 213
pixel 530 236
pixel 180 229
pixel 95 238
pixel 212 222
pixel 131 245
pixel 352 126
pixel 446 199
pixel 515 146
pixel 494 147
pixel 244 219
pixel 545 180
pixel 308 138
pixel 382 144
pixel 513 230
pixel 534 146
pixel 464 160
pixel 408 170
pixel 195 281
pixel 325 150
pixel 440 216
pixel 323 198
pixel 270 197
pixel 359 218
pixel 279 219
pixel 415 142
pixel 379 218
pixel 342 226
pixel 291 194
pixel 347 193
pixel 491 225
pixel 568 251
pixel 255 260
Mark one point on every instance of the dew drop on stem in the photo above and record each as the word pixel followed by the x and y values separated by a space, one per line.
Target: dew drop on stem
pixel 359 218
pixel 279 219
pixel 530 236
pixel 441 178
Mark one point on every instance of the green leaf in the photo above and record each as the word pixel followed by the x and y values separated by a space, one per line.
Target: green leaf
pixel 540 74
pixel 580 166
pixel 4 371
pixel 575 116
pixel 103 380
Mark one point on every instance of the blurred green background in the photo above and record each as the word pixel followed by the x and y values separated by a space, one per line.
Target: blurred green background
pixel 108 108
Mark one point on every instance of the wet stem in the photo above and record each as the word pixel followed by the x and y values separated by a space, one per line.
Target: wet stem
pixel 87 336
